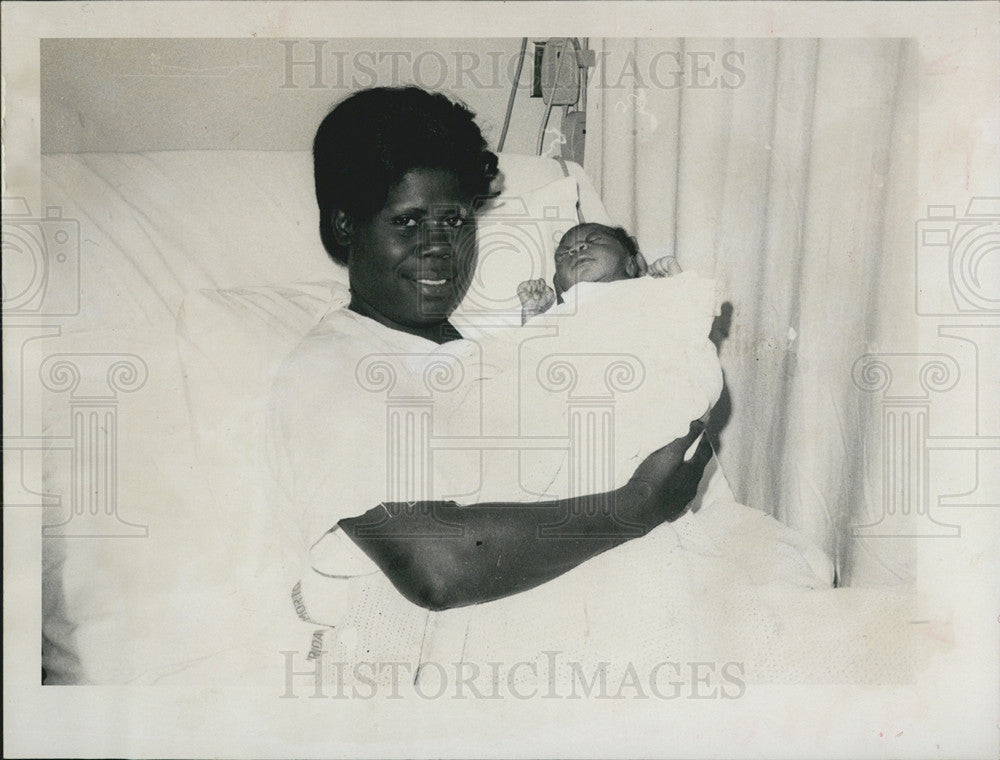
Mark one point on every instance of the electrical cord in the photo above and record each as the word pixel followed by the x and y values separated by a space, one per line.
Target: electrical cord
pixel 513 93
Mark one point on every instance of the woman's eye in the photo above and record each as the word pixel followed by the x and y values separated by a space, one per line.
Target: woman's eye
pixel 404 221
pixel 455 221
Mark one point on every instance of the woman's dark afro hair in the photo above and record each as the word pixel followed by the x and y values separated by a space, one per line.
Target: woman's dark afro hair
pixel 371 139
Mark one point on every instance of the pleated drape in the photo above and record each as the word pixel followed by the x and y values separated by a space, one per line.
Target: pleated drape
pixel 785 170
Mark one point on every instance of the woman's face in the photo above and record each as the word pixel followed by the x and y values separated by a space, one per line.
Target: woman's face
pixel 591 253
pixel 411 264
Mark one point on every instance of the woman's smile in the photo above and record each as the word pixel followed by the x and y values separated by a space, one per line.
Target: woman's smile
pixel 435 288
pixel 411 263
pixel 433 280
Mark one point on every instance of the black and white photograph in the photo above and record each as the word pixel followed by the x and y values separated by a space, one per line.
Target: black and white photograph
pixel 479 379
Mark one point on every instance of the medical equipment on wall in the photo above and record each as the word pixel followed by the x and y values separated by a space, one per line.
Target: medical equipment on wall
pixel 561 81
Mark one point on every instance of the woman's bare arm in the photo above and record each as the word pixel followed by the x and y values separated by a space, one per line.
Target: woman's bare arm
pixel 441 555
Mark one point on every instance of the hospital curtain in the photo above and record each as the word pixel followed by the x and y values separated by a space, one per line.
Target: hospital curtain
pixel 784 169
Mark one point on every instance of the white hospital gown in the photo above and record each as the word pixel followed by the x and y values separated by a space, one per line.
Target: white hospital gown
pixel 362 414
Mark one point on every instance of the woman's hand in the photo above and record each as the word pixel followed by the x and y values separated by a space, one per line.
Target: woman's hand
pixel 664 484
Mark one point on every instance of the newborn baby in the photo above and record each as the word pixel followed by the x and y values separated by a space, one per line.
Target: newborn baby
pixel 590 253
pixel 638 344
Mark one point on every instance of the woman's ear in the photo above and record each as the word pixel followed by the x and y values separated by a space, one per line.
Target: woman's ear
pixel 343 228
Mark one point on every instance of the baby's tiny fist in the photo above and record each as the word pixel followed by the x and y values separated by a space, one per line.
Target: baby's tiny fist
pixel 524 291
pixel 536 297
pixel 667 266
pixel 533 292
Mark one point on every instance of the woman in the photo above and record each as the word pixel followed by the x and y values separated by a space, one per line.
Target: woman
pixel 400 174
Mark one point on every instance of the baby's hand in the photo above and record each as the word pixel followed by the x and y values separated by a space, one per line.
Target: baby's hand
pixel 536 297
pixel 664 267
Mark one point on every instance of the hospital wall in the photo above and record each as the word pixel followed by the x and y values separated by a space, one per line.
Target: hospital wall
pixel 131 95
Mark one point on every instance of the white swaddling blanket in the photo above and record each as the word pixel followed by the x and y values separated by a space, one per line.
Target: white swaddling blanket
pixel 600 381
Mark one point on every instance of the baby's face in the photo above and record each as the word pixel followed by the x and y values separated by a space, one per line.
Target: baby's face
pixel 591 253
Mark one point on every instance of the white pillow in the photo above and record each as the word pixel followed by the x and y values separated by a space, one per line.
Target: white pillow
pixel 159 225
pixel 233 339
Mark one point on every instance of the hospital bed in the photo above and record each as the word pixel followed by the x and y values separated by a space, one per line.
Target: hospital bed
pixel 197 272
